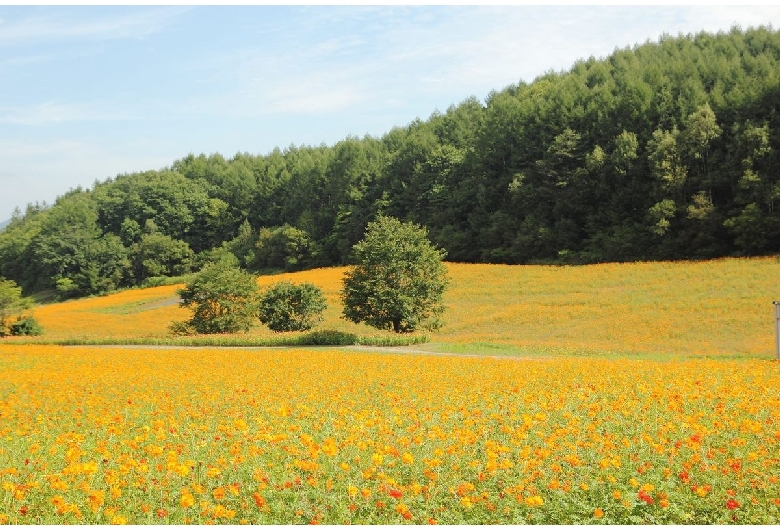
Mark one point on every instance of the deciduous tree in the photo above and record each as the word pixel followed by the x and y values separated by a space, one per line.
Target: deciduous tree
pixel 399 279
pixel 223 299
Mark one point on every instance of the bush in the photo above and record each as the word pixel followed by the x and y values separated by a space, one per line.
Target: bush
pixel 289 307
pixel 26 326
pixel 329 337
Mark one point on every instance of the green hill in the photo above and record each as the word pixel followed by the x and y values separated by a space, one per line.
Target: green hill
pixel 666 150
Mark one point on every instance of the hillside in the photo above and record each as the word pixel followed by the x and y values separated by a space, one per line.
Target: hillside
pixel 660 152
pixel 720 307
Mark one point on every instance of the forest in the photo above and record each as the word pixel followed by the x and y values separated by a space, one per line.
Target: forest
pixel 664 151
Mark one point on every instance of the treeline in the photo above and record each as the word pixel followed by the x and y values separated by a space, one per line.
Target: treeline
pixel 668 150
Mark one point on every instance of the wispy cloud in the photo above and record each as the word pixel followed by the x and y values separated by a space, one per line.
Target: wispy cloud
pixel 109 25
pixel 52 113
pixel 16 149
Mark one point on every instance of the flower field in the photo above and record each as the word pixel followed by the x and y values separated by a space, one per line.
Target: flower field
pixel 721 307
pixel 679 424
pixel 117 435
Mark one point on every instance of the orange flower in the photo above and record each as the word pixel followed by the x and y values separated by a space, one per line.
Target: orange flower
pixel 260 501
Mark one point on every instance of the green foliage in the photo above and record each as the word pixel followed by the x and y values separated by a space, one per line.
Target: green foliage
pixel 223 299
pixel 399 279
pixel 285 248
pixel 66 288
pixel 12 304
pixel 289 307
pixel 243 246
pixel 26 326
pixel 328 337
pixel 157 254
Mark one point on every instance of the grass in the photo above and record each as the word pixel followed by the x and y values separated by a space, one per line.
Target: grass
pixel 315 338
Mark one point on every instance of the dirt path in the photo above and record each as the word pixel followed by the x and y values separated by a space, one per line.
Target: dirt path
pixel 416 351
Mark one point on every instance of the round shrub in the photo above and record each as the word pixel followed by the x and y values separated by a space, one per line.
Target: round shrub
pixel 289 307
pixel 26 326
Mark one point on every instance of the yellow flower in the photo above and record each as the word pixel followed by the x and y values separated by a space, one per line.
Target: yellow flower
pixel 535 500
pixel 187 500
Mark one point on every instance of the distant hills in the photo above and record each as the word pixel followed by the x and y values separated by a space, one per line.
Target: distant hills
pixel 4 224
pixel 666 150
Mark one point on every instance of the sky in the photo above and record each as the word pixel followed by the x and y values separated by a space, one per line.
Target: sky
pixel 91 92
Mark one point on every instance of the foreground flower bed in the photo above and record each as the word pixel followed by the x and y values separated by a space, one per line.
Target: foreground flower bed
pixel 112 435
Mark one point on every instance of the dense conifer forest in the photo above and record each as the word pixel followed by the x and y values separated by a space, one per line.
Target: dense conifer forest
pixel 667 150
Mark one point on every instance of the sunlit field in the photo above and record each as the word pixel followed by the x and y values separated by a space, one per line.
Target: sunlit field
pixel 113 435
pixel 721 307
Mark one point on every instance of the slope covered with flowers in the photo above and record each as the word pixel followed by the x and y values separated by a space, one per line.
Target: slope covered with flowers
pixel 721 307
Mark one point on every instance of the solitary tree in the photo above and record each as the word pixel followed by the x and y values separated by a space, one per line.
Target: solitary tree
pixel 223 299
pixel 289 307
pixel 399 279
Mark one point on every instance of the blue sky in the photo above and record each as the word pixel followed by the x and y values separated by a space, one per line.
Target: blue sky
pixel 90 92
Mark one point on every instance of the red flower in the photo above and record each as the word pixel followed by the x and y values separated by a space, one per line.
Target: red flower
pixel 643 495
pixel 731 504
pixel 394 493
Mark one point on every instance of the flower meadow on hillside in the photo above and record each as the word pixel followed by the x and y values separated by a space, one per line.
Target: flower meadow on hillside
pixel 116 435
pixel 720 307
